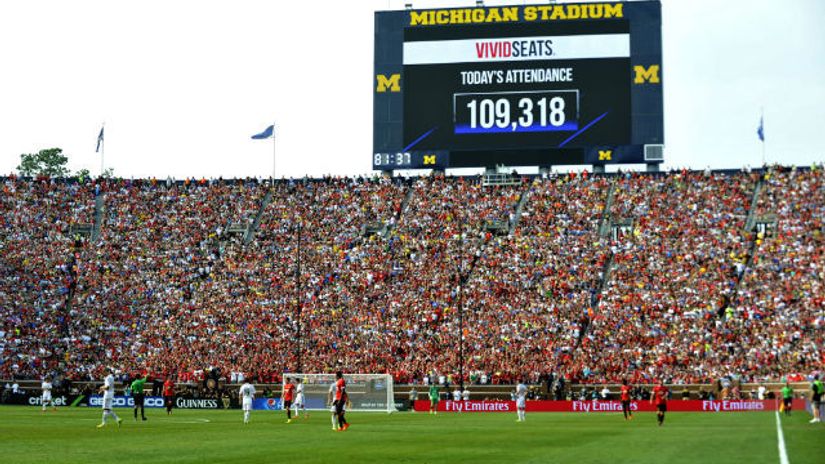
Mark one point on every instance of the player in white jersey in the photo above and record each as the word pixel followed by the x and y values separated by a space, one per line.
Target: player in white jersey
pixel 521 400
pixel 246 395
pixel 330 397
pixel 108 390
pixel 46 398
pixel 299 399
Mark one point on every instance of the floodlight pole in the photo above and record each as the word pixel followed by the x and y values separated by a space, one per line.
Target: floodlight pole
pixel 298 303
pixel 461 305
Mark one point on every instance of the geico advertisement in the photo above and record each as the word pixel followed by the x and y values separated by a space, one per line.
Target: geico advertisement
pixel 96 401
pixel 155 402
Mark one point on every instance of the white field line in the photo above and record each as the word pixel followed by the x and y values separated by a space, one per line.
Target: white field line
pixel 192 421
pixel 783 453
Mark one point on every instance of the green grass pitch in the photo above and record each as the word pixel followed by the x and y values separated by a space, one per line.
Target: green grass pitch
pixel 188 436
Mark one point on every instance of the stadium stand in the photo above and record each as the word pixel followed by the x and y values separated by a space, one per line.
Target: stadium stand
pixel 688 275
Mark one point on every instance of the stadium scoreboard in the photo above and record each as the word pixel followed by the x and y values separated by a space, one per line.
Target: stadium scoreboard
pixel 518 85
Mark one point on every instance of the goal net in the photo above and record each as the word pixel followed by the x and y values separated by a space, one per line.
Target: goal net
pixel 366 392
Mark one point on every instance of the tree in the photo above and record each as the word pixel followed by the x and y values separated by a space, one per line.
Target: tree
pixel 82 174
pixel 50 162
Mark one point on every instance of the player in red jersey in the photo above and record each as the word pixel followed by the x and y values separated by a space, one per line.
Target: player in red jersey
pixel 340 400
pixel 287 397
pixel 169 394
pixel 628 414
pixel 660 397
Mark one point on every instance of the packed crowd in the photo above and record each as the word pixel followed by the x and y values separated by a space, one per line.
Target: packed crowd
pixel 37 269
pixel 380 275
pixel 780 302
pixel 675 268
pixel 530 294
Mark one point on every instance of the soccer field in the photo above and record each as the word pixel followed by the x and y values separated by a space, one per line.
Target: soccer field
pixel 69 436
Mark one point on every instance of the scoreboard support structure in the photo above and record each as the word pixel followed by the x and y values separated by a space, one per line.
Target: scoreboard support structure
pixel 529 85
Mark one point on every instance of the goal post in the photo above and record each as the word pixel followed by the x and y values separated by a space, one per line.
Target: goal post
pixel 366 392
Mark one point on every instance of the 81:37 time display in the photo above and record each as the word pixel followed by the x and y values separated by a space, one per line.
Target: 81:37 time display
pixel 391 159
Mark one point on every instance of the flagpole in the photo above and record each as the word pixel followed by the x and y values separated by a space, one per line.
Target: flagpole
pixel 762 125
pixel 102 148
pixel 273 152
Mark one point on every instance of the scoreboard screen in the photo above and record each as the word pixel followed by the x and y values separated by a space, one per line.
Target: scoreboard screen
pixel 517 85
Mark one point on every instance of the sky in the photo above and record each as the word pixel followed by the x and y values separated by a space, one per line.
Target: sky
pixel 181 85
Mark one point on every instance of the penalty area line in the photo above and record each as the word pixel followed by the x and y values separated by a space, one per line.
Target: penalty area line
pixel 783 453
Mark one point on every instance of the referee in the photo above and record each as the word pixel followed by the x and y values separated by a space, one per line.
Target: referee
pixel 137 394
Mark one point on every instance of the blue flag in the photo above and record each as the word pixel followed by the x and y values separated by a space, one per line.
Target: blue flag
pixel 267 133
pixel 99 140
pixel 761 130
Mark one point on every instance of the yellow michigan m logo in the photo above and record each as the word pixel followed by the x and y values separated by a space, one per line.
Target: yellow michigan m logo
pixel 429 159
pixel 651 74
pixel 605 155
pixel 393 83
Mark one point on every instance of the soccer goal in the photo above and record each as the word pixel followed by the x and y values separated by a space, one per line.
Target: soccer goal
pixel 367 392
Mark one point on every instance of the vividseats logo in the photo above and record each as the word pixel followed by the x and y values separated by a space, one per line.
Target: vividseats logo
pixel 514 49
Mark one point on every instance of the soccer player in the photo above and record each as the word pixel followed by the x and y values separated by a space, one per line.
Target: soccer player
pixel 341 401
pixel 787 398
pixel 660 397
pixel 108 390
pixel 625 398
pixel 413 397
pixel 817 390
pixel 331 402
pixel 434 398
pixel 46 397
pixel 521 400
pixel 246 395
pixel 137 394
pixel 299 399
pixel 169 394
pixel 287 397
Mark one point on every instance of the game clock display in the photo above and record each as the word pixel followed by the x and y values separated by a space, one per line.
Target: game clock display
pixel 410 160
pixel 395 160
